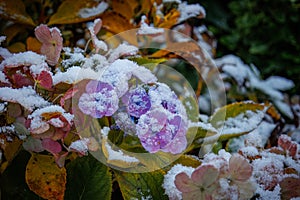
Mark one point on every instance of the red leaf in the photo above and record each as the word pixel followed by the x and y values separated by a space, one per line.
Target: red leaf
pixel 52 146
pixel 45 79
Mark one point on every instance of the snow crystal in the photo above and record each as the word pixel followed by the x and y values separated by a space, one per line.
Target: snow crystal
pixel 169 178
pixel 3 107
pixel 205 126
pixel 145 29
pixel 7 129
pixel 24 58
pixel 170 1
pixel 119 155
pixel 122 49
pixel 95 62
pixel 2 38
pixel 249 151
pixel 105 130
pixel 37 69
pixel 74 74
pixel 284 108
pixel 268 194
pixel 80 146
pixel 188 11
pixel 90 12
pixel 243 122
pixel 279 83
pixel 4 53
pixel 26 97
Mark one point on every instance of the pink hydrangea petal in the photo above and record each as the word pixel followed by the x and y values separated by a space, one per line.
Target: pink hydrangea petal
pixel 205 175
pixel 184 183
pixel 51 145
pixel 239 168
pixel 97 25
pixel 42 33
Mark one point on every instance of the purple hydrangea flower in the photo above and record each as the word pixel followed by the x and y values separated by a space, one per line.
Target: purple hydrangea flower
pixel 138 102
pixel 161 130
pixel 99 100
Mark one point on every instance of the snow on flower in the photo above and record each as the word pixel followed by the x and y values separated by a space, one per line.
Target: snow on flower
pixel 94 29
pixel 121 71
pixel 100 99
pixel 160 130
pixel 41 121
pixel 52 42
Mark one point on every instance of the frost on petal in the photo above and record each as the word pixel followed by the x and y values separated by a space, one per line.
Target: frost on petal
pixel 138 102
pixel 99 100
pixel 90 12
pixel 239 168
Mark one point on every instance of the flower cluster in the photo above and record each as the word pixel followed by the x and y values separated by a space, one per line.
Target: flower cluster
pixel 269 173
pixel 39 89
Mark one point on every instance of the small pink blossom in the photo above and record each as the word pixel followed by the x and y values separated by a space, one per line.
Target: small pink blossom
pixel 52 43
pixel 94 29
pixel 200 185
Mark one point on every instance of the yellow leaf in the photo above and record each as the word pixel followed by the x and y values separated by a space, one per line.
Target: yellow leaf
pixel 15 11
pixel 68 12
pixel 45 178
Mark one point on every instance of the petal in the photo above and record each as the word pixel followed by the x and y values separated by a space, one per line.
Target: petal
pixel 184 183
pixel 97 25
pixel 42 33
pixel 205 175
pixel 51 145
pixel 239 168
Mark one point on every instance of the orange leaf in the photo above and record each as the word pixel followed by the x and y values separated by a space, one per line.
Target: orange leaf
pixel 33 44
pixel 68 12
pixel 10 150
pixel 125 8
pixel 45 178
pixel 50 115
pixel 115 23
pixel 15 11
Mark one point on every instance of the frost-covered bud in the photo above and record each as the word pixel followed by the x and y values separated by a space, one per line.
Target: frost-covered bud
pixel 99 100
pixel 161 130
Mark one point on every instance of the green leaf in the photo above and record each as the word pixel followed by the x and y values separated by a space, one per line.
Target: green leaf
pixel 149 63
pixel 141 186
pixel 87 178
pixel 233 110
pixel 15 11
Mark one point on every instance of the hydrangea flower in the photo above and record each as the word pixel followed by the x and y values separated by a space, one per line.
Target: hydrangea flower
pixel 52 42
pixel 138 102
pixel 99 100
pixel 160 130
pixel 200 185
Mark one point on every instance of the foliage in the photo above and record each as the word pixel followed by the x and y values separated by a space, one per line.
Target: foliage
pixel 260 32
pixel 88 113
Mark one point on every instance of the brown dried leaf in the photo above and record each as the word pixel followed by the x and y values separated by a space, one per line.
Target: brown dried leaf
pixel 15 11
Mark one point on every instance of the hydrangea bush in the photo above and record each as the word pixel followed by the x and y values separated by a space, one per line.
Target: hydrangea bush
pixel 109 119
